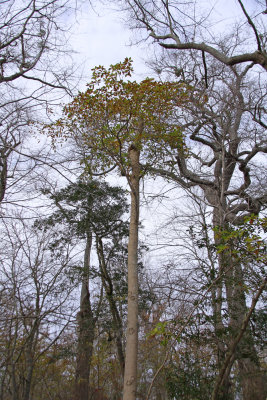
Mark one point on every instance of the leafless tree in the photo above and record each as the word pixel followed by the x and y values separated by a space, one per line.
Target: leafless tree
pixel 188 26
pixel 225 132
pixel 36 295
pixel 36 72
pixel 30 43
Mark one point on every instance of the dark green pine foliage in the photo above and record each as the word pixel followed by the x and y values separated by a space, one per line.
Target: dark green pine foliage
pixel 89 204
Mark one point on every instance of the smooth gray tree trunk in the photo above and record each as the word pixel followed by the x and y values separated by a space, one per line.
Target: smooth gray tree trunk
pixel 130 374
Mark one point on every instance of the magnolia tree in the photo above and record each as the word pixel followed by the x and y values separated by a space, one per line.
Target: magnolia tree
pixel 126 125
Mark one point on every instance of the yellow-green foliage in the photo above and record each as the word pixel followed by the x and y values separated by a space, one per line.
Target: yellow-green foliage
pixel 114 113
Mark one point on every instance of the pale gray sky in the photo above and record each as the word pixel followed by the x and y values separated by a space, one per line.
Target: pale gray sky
pixel 101 37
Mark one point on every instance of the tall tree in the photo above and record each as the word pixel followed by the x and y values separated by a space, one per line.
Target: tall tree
pixel 120 123
pixel 222 162
pixel 90 208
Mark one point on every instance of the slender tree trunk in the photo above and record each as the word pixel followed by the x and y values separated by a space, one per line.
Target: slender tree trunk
pixel 3 175
pixel 86 325
pixel 130 375
pixel 13 377
pixel 29 372
pixel 2 384
pixel 29 358
pixel 117 322
pixel 15 392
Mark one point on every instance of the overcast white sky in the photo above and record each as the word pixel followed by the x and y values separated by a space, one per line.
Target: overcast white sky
pixel 101 37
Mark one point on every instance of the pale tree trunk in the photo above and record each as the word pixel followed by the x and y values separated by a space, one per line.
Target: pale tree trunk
pixel 130 374
pixel 86 324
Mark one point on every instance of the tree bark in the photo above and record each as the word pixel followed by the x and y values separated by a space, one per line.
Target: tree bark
pixel 250 374
pixel 86 325
pixel 130 375
pixel 225 392
pixel 29 358
pixel 254 391
pixel 117 322
pixel 3 175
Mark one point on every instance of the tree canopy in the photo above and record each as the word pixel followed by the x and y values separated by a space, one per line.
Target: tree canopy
pixel 114 113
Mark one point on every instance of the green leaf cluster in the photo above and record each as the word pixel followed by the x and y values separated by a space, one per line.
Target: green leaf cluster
pixel 114 113
pixel 245 241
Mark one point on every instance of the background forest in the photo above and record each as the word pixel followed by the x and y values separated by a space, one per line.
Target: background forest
pixel 133 212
